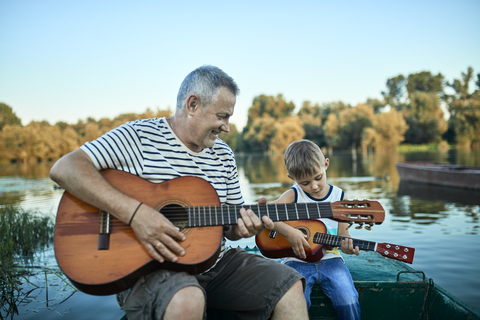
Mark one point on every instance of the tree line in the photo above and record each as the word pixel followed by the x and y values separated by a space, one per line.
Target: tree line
pixel 411 111
pixel 41 141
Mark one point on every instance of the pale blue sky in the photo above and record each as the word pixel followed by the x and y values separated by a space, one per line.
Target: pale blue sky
pixel 68 60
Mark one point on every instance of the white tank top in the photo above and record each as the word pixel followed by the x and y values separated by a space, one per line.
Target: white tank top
pixel 335 194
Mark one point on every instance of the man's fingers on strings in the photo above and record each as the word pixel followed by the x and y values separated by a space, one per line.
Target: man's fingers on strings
pixel 164 252
pixel 255 219
pixel 176 234
pixel 172 245
pixel 154 253
pixel 268 223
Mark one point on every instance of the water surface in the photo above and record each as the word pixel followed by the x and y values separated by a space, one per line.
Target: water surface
pixel 441 223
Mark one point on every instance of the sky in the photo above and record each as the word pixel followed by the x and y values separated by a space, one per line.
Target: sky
pixel 70 60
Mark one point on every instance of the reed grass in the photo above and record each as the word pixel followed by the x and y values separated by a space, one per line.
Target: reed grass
pixel 21 235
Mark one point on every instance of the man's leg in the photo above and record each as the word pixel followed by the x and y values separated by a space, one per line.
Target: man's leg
pixel 292 305
pixel 164 294
pixel 187 304
pixel 253 286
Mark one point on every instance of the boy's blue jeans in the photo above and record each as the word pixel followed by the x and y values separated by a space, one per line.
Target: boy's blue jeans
pixel 336 282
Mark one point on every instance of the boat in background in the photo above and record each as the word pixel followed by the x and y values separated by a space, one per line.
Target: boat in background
pixel 432 192
pixel 440 174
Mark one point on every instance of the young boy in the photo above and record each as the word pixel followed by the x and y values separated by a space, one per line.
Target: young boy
pixel 307 166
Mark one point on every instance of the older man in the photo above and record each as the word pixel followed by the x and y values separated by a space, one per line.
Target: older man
pixel 185 145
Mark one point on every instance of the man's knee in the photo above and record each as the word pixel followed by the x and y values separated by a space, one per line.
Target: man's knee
pixel 187 303
pixel 292 305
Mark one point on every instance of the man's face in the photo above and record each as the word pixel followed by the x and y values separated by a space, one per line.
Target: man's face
pixel 208 122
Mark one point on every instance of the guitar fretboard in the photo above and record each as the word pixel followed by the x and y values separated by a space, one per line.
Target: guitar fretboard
pixel 336 241
pixel 228 214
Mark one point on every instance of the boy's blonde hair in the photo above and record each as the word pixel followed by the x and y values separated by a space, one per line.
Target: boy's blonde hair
pixel 302 158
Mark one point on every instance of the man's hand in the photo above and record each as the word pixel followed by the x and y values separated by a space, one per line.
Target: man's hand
pixel 250 224
pixel 157 234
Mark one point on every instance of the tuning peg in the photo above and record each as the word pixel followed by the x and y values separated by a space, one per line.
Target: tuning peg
pixel 349 225
pixel 368 228
pixel 360 224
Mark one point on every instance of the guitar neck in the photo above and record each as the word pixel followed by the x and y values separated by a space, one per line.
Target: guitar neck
pixel 336 241
pixel 229 214
pixel 393 251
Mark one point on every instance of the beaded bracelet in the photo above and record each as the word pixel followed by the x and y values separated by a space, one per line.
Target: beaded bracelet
pixel 134 212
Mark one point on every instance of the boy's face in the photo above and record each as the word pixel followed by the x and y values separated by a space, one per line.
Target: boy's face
pixel 316 184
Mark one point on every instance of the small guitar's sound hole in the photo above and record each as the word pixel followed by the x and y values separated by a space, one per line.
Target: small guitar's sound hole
pixel 304 230
pixel 176 214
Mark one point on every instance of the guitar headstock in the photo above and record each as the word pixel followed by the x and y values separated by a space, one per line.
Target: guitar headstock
pixel 361 212
pixel 394 251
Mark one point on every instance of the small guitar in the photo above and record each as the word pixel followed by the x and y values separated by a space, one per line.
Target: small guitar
pixel 101 255
pixel 274 245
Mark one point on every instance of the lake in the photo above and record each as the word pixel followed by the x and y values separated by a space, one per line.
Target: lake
pixel 441 223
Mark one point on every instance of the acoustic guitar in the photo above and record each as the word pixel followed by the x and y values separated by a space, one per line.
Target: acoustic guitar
pixel 274 245
pixel 101 255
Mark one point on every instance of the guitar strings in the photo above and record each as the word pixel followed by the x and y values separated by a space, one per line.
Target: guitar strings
pixel 209 215
pixel 333 240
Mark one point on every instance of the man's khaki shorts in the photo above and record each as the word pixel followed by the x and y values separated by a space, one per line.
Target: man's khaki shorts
pixel 242 282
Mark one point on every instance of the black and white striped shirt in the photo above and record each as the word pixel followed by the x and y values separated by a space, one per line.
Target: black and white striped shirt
pixel 150 149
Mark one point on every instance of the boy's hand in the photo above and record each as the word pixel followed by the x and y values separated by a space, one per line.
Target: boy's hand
pixel 298 241
pixel 347 247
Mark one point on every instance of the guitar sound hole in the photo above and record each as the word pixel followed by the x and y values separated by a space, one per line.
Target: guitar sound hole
pixel 304 230
pixel 176 214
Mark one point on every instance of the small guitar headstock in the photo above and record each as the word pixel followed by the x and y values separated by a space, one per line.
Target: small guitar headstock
pixel 394 251
pixel 361 212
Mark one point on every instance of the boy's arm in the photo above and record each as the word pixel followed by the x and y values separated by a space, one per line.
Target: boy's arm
pixel 295 237
pixel 347 244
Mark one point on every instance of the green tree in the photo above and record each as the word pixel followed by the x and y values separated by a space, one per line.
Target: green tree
pixel 464 108
pixel 7 116
pixel 260 130
pixel 425 118
pixel 311 116
pixel 275 107
pixel 425 82
pixel 259 134
pixel 12 141
pixel 396 91
pixel 287 130
pixel 376 104
pixel 347 129
pixel 387 132
pixel 36 141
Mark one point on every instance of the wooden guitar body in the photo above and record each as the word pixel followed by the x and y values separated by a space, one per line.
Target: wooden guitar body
pixel 274 245
pixel 103 272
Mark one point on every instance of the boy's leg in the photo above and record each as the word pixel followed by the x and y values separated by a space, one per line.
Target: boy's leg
pixel 337 283
pixel 308 270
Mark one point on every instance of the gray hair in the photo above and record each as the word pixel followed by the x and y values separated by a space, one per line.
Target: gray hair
pixel 302 158
pixel 205 82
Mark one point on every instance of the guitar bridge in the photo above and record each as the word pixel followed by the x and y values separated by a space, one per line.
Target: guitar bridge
pixel 104 231
pixel 272 234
